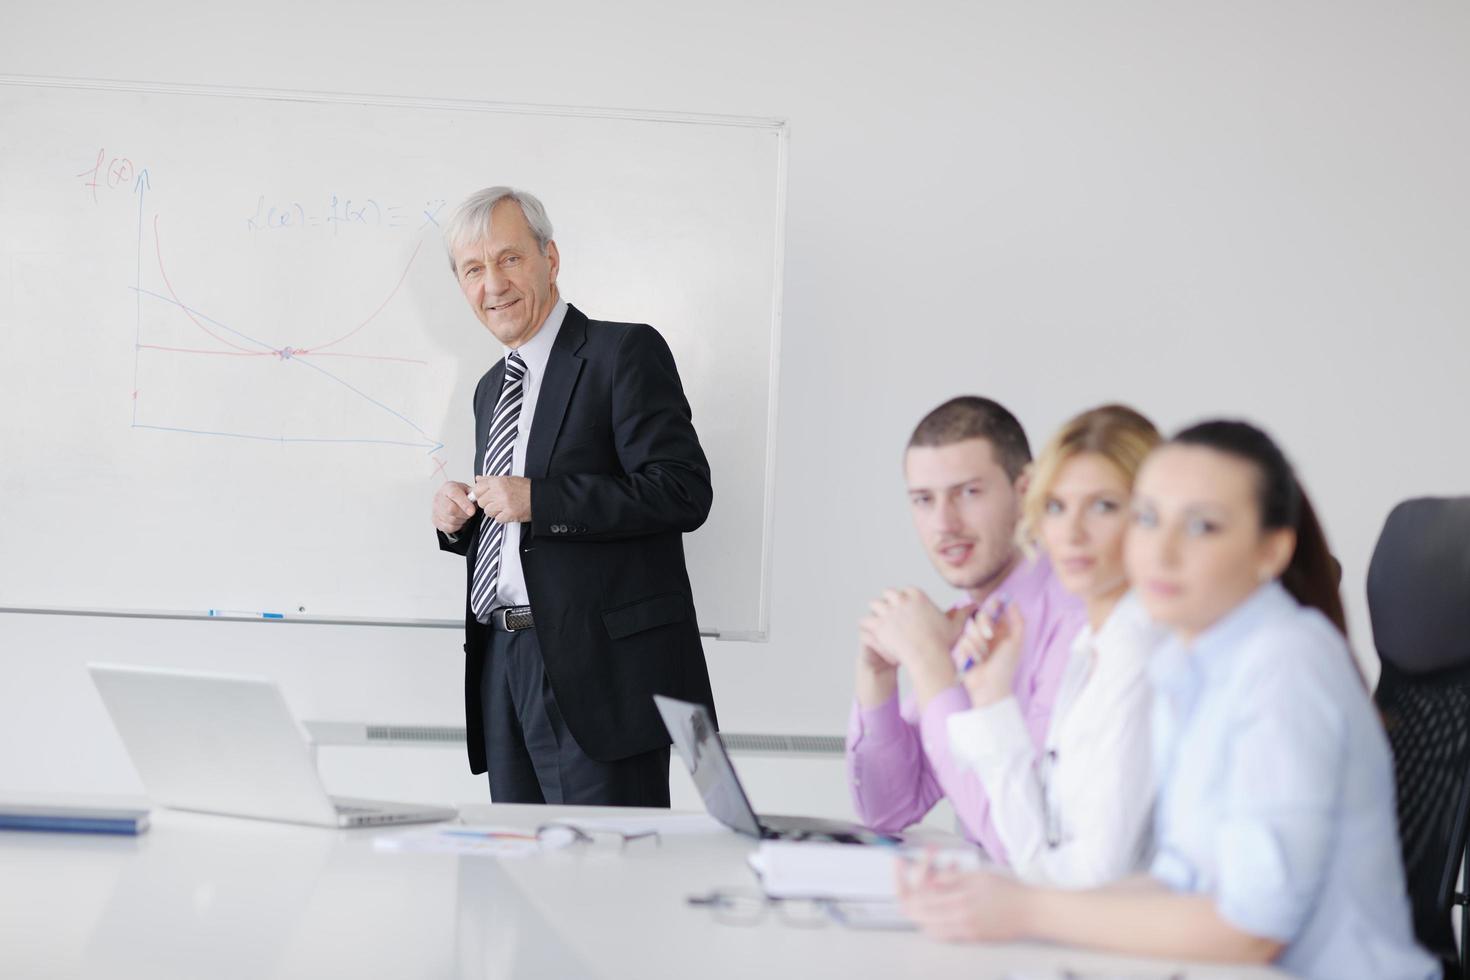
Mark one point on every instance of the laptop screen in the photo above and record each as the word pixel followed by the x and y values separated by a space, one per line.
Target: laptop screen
pixel 704 756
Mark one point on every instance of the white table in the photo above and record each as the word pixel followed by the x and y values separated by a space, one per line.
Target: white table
pixel 217 897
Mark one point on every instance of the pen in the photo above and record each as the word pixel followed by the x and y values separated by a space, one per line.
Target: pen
pixel 999 606
pixel 246 615
pixel 489 834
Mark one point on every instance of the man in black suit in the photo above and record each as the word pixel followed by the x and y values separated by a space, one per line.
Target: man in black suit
pixel 587 473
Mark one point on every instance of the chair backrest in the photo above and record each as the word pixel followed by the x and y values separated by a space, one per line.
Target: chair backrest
pixel 1419 601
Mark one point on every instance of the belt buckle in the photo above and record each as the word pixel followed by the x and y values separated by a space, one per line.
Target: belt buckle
pixel 505 612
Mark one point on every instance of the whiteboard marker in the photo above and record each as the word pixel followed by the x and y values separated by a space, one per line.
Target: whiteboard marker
pixel 246 615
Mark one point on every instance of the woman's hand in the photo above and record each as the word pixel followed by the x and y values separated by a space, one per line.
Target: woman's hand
pixel 962 906
pixel 989 651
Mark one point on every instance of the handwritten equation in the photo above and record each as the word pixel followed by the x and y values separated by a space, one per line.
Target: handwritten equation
pixel 343 212
pixel 110 173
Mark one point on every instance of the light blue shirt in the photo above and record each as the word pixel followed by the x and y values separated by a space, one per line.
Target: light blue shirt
pixel 1276 792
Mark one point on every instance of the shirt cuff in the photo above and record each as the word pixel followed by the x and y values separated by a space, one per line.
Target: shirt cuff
pixel 881 724
pixel 983 738
pixel 1175 872
pixel 1256 893
pixel 1252 892
pixel 933 723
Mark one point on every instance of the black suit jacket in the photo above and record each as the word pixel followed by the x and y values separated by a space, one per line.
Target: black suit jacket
pixel 617 477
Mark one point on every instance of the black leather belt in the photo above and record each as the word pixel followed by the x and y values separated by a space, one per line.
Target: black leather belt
pixel 511 619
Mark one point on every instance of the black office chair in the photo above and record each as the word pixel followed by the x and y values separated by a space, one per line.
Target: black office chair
pixel 1419 601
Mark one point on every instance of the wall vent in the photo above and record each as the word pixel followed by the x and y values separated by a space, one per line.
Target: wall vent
pixel 440 736
pixel 414 734
pixel 738 742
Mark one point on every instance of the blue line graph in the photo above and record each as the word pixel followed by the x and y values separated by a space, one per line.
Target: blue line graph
pixel 286 354
pixel 371 400
pixel 425 441
pixel 264 347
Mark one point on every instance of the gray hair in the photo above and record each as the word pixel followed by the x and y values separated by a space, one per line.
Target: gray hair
pixel 471 221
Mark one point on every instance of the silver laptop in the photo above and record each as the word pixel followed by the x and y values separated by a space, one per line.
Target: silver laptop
pixel 704 756
pixel 221 744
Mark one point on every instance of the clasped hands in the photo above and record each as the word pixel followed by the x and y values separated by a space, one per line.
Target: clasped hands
pixel 981 647
pixel 961 906
pixel 504 499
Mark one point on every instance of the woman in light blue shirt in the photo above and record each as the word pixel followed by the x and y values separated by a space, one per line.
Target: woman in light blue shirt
pixel 1275 823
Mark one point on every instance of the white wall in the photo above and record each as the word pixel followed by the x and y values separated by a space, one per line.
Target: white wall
pixel 1254 208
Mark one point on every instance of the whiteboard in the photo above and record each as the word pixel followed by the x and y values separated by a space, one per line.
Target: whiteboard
pixel 234 365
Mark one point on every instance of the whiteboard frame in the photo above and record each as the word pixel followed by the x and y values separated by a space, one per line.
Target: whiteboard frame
pixel 777 126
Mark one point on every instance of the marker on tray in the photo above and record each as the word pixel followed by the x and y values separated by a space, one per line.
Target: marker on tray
pixel 241 614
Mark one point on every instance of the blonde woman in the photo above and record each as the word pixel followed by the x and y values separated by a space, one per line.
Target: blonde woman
pixel 1075 812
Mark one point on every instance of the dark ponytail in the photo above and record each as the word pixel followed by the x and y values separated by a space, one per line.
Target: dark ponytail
pixel 1313 574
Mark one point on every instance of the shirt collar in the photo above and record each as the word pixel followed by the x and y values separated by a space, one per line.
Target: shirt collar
pixel 1213 646
pixel 1021 584
pixel 1180 670
pixel 537 351
pixel 1127 612
pixel 1027 579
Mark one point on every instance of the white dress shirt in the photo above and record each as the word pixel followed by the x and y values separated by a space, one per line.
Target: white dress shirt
pixel 1077 815
pixel 510 590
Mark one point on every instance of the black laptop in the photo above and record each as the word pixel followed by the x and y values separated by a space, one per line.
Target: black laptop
pixel 704 755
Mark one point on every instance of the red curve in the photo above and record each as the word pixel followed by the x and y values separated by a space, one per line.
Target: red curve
pixel 393 292
pixel 158 247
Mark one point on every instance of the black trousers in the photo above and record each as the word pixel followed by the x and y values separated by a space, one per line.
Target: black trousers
pixel 530 754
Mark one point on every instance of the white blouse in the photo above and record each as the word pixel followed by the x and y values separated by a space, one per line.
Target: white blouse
pixel 1076 814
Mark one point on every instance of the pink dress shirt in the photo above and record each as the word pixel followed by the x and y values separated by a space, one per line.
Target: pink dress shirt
pixel 899 763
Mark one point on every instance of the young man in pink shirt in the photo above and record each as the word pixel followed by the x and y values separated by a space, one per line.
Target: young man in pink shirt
pixel 967 466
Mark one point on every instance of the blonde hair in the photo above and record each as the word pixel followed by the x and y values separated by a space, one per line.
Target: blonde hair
pixel 1117 433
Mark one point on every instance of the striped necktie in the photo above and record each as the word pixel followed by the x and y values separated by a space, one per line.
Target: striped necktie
pixel 498 450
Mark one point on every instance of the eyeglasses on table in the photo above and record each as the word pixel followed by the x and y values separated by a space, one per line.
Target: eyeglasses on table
pixel 557 835
pixel 748 907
